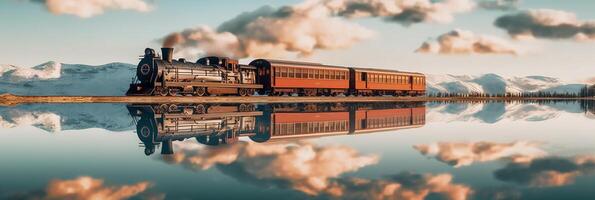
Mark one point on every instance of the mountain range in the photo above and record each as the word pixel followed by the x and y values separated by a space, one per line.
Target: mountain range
pixel 53 78
pixel 496 84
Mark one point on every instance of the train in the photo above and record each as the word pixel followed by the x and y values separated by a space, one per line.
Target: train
pixel 161 75
pixel 224 124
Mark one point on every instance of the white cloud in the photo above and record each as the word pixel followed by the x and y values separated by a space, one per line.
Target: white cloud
pixel 90 8
pixel 547 24
pixel 466 42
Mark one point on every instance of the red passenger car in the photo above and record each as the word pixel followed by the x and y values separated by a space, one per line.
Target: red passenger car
pixel 307 79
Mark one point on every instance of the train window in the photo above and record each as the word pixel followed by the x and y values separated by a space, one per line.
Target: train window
pixel 310 73
pixel 283 72
pixel 304 73
pixel 290 73
pixel 343 75
pixel 277 72
pixel 326 74
pixel 331 74
pixel 298 73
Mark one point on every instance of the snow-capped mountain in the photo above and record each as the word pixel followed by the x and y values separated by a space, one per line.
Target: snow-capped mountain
pixel 112 79
pixel 54 78
pixel 495 84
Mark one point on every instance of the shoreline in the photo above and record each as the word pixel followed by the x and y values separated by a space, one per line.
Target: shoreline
pixel 9 99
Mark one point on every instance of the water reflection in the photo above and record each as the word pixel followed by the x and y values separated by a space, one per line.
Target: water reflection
pixel 496 150
pixel 161 124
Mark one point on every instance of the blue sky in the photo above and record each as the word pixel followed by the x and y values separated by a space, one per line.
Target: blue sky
pixel 31 35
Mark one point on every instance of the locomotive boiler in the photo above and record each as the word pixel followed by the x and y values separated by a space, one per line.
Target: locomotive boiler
pixel 162 75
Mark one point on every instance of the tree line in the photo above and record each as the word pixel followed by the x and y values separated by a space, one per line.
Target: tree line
pixel 586 91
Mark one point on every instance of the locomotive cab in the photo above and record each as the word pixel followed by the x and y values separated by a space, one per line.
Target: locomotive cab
pixel 221 62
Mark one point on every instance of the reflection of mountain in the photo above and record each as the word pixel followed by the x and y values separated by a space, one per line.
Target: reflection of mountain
pixel 312 169
pixel 57 117
pixel 497 111
pixel 495 84
pixel 66 79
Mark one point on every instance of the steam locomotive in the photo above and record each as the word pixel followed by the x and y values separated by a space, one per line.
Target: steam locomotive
pixel 164 76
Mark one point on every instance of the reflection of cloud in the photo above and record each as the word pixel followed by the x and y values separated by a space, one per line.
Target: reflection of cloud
pixel 90 8
pixel 550 171
pixel 303 166
pixel 401 186
pixel 312 169
pixel 466 42
pixel 546 23
pixel 466 153
pixel 85 187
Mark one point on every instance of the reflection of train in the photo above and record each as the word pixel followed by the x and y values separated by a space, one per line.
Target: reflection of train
pixel 224 124
pixel 218 75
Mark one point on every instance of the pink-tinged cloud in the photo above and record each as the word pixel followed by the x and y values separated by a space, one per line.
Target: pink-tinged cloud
pixel 460 154
pixel 499 4
pixel 91 8
pixel 466 42
pixel 306 27
pixel 404 12
pixel 547 172
pixel 268 32
pixel 547 24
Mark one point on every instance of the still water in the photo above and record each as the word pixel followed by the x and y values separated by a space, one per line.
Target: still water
pixel 495 150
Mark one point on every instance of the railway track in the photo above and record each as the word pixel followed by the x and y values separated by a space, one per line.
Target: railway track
pixel 9 99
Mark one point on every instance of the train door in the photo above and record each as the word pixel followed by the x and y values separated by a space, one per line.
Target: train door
pixel 264 75
pixel 365 79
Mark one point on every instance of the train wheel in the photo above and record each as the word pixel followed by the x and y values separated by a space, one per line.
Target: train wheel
pixel 243 108
pixel 200 109
pixel 173 92
pixel 163 108
pixel 172 108
pixel 161 91
pixel 200 91
pixel 242 92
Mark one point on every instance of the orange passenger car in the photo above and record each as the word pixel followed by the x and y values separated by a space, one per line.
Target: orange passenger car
pixel 386 82
pixel 305 79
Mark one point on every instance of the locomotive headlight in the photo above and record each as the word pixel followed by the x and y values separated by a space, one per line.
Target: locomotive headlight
pixel 145 69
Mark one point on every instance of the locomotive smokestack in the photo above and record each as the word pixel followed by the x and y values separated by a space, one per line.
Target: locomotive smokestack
pixel 167 53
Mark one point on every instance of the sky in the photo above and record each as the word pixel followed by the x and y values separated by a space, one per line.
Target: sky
pixel 458 37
